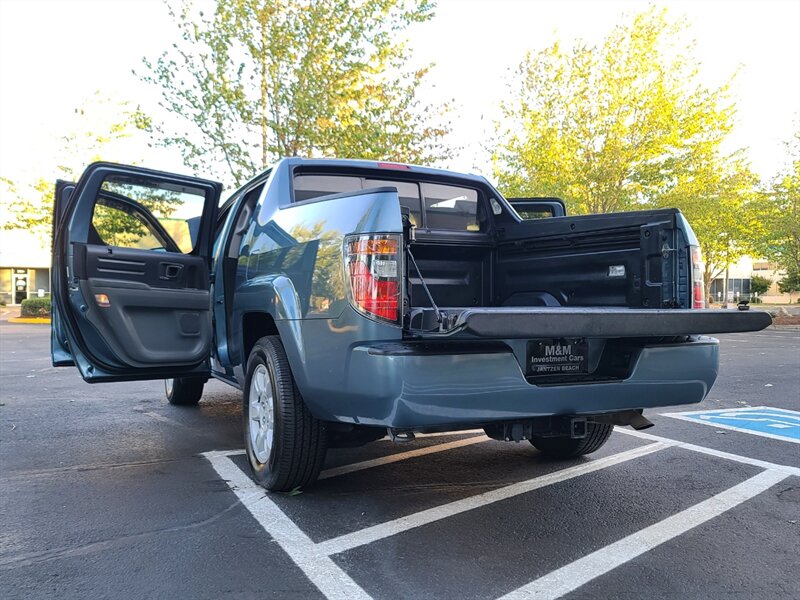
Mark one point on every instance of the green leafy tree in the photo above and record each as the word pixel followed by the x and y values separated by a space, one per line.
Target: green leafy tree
pixel 99 126
pixel 718 196
pixel 609 127
pixel 626 125
pixel 789 284
pixel 782 213
pixel 759 285
pixel 261 79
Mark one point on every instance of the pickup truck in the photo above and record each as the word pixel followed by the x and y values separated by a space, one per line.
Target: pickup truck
pixel 350 300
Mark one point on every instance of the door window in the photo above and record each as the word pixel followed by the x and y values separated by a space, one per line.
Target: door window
pixel 135 213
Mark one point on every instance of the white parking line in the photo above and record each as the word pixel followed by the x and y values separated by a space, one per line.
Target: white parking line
pixel 389 528
pixel 331 580
pixel 788 470
pixel 391 458
pixel 577 573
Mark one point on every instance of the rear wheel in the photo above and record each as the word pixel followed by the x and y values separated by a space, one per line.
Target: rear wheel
pixel 184 391
pixel 597 434
pixel 285 444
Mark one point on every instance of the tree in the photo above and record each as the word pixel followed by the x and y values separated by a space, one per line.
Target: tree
pixel 718 195
pixel 782 240
pixel 609 127
pixel 789 284
pixel 99 126
pixel 261 79
pixel 624 125
pixel 759 285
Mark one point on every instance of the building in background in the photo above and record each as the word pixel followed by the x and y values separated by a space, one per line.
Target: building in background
pixel 739 277
pixel 25 272
pixel 24 266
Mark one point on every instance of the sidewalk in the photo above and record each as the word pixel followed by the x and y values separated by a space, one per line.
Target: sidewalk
pixel 10 314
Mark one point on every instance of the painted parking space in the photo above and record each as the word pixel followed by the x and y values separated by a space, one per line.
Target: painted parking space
pixel 775 423
pixel 425 543
pixel 135 501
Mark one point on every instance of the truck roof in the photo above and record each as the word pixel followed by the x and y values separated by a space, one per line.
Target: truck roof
pixel 351 163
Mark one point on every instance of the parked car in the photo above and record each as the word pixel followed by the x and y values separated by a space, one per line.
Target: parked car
pixel 349 300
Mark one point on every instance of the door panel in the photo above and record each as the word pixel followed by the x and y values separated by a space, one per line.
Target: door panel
pixel 157 306
pixel 133 306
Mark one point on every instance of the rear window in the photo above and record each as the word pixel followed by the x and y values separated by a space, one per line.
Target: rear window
pixel 308 187
pixel 446 206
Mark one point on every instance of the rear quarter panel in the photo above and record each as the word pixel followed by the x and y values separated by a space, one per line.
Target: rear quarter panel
pixel 291 266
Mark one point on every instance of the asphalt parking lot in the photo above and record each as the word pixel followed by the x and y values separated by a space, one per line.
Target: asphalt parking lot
pixel 107 491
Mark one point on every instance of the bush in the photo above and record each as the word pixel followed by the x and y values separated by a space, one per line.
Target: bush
pixel 759 285
pixel 36 307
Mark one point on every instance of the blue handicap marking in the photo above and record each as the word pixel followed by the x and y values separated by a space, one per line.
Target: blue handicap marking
pixel 777 423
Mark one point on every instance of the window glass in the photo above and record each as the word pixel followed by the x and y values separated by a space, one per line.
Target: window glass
pixel 530 214
pixel 451 207
pixel 409 196
pixel 116 227
pixel 307 187
pixel 149 215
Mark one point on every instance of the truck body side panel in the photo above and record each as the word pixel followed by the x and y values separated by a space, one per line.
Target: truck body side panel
pixel 292 268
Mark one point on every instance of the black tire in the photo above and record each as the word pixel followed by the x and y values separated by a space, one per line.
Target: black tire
pixel 299 441
pixel 597 434
pixel 184 391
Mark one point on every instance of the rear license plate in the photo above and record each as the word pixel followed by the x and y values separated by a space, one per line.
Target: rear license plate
pixel 558 357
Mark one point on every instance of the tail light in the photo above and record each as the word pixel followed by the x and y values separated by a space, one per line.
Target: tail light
pixel 698 288
pixel 373 268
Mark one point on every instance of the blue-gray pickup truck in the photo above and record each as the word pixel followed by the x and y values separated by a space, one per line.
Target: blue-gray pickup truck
pixel 350 300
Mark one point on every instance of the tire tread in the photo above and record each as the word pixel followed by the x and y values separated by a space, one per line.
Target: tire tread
pixel 302 437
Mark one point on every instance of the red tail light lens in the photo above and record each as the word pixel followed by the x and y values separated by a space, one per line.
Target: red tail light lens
pixel 698 288
pixel 373 267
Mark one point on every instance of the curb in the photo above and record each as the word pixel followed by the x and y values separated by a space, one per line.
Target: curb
pixel 34 320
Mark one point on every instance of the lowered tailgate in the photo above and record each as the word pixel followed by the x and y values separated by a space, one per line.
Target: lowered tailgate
pixel 543 322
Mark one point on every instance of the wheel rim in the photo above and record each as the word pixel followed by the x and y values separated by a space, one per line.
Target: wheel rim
pixel 168 385
pixel 262 414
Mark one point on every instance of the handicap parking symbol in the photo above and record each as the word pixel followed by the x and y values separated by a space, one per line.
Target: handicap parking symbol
pixel 776 423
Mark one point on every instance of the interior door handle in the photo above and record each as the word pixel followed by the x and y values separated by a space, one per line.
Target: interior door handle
pixel 170 271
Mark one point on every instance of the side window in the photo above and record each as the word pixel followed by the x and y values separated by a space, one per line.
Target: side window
pixel 138 213
pixel 531 214
pixel 451 207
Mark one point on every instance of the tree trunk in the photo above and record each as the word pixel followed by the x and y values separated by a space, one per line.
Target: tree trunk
pixel 264 95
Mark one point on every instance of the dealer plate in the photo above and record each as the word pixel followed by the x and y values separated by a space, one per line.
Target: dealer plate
pixel 558 357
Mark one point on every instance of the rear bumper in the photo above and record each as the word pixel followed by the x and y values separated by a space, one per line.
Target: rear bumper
pixel 397 387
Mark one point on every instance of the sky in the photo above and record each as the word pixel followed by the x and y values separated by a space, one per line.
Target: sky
pixel 56 54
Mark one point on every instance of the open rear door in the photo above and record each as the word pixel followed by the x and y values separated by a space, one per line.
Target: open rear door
pixel 130 277
pixel 59 347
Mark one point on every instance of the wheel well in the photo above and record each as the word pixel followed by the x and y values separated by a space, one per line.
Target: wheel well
pixel 256 325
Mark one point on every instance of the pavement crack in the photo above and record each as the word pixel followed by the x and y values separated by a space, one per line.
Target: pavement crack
pixel 90 467
pixel 33 558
